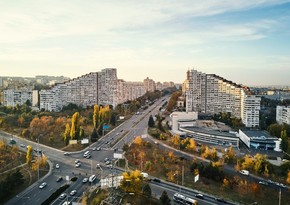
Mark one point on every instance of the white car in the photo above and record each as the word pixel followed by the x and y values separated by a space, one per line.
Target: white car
pixel 41 186
pixel 85 180
pixel 57 166
pixel 98 166
pixel 245 172
pixel 78 164
pixel 77 161
pixel 62 196
pixel 73 192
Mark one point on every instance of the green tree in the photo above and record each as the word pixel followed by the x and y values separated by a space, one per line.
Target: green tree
pixel 94 136
pixel 284 141
pixel 151 121
pixel 147 190
pixel 164 199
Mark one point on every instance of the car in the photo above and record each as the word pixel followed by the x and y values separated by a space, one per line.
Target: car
pixel 156 180
pixel 41 186
pixel 221 200
pixel 106 159
pixel 92 178
pixel 59 179
pixel 200 196
pixel 263 182
pixel 108 162
pixel 98 166
pixel 66 203
pixel 22 145
pixel 245 172
pixel 85 180
pixel 94 148
pixel 78 164
pixel 88 156
pixel 107 142
pixel 110 166
pixel 62 196
pixel 98 149
pixel 282 185
pixel 57 166
pixel 73 192
pixel 66 153
pixel 77 161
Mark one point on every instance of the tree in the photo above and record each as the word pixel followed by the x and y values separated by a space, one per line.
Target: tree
pixel 94 135
pixel 132 181
pixel 191 145
pixel 288 177
pixel 164 199
pixel 29 155
pixel 151 121
pixel 66 134
pixel 75 126
pixel 284 141
pixel 96 116
pixel 147 190
pixel 138 141
pixel 229 155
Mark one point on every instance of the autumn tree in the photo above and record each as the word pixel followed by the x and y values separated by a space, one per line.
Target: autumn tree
pixel 288 177
pixel 29 155
pixel 229 155
pixel 191 145
pixel 132 181
pixel 39 162
pixel 66 134
pixel 96 116
pixel 176 140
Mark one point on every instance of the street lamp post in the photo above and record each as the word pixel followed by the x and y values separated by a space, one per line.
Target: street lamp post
pixel 38 157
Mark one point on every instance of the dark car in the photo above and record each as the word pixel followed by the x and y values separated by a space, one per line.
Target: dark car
pixel 221 200
pixel 156 180
pixel 59 179
pixel 200 196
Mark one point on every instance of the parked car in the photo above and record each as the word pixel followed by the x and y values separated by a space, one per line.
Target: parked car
pixel 78 164
pixel 57 166
pixel 41 186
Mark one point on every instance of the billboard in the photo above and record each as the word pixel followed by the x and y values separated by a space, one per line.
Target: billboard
pixel 118 156
pixel 85 141
pixel 106 127
pixel 73 142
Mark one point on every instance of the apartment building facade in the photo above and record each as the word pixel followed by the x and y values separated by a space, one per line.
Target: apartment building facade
pixel 212 94
pixel 283 114
pixel 149 85
pixel 129 91
pixel 12 97
pixel 87 90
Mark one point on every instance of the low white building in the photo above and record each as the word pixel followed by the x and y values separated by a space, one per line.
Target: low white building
pixel 260 139
pixel 181 119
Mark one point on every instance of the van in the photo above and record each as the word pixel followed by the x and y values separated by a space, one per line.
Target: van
pixel 92 178
pixel 86 153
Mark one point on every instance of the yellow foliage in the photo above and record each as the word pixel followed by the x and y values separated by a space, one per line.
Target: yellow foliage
pixel 191 145
pixel 288 177
pixel 176 139
pixel 132 181
pixel 170 175
pixel 138 140
pixel 226 184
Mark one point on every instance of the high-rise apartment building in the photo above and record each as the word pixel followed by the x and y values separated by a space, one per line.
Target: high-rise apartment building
pixel 129 91
pixel 209 93
pixel 87 90
pixel 14 97
pixel 149 85
pixel 283 114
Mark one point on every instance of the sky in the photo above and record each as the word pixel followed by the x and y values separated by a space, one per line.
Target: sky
pixel 247 42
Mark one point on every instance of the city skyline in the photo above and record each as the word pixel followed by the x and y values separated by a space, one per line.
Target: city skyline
pixel 245 42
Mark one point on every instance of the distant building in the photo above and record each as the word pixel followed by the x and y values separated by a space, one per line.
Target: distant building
pixel 258 139
pixel 14 97
pixel 283 114
pixel 149 85
pixel 180 119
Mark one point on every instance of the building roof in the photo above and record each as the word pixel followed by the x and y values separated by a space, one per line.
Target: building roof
pixel 259 135
pixel 211 132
